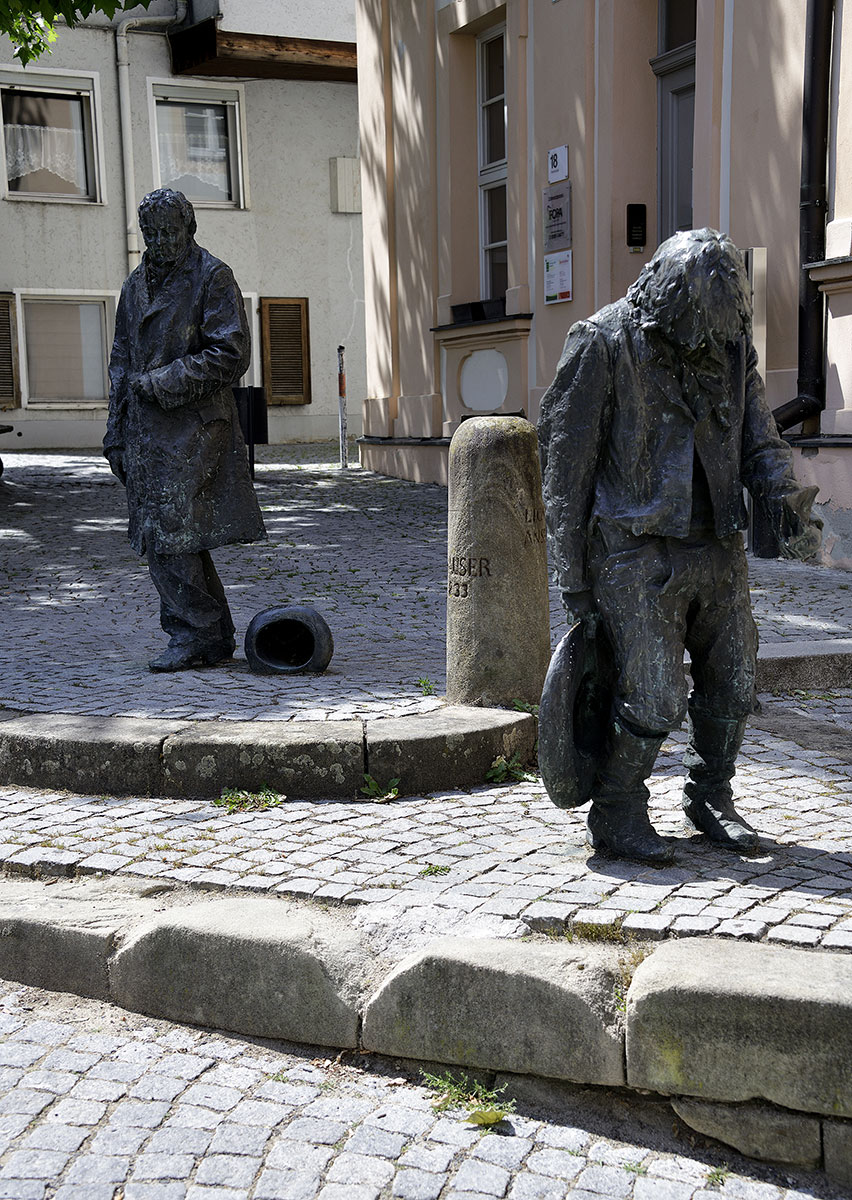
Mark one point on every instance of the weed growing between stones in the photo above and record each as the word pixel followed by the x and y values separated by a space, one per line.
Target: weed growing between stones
pixel 374 790
pixel 627 964
pixel 635 1168
pixel 426 686
pixel 434 869
pixel 485 1106
pixel 716 1176
pixel 235 800
pixel 504 769
pixel 589 931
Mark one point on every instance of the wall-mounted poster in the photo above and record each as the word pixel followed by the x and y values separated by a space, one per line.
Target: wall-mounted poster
pixel 558 277
pixel 556 216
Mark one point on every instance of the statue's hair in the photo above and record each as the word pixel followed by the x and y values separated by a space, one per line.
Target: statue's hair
pixel 166 198
pixel 679 274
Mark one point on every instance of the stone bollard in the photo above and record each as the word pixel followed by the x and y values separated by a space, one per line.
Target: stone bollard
pixel 498 611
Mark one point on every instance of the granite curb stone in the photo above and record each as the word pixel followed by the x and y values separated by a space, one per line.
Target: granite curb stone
pixel 453 1002
pixel 61 937
pixel 63 958
pixel 709 1024
pixel 837 1149
pixel 289 757
pixel 789 666
pixel 257 967
pixel 756 1130
pixel 85 754
pixel 449 747
pixel 725 1020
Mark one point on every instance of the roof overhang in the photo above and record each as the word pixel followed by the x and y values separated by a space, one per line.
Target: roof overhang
pixel 207 49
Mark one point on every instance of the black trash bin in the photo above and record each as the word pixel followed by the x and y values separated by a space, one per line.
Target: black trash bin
pixel 290 640
pixel 251 411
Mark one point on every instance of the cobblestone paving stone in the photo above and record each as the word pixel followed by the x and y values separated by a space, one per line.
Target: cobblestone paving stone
pixel 98 1104
pixel 496 860
pixel 79 619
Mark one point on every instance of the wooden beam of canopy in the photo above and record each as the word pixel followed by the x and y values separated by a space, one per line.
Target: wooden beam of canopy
pixel 206 49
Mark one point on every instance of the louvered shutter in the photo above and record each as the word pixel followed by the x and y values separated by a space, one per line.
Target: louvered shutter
pixel 9 390
pixel 286 351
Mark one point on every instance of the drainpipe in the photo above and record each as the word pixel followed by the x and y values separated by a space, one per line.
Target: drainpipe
pixel 810 383
pixel 122 59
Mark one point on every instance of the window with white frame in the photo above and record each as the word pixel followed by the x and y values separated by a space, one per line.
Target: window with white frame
pixel 49 137
pixel 66 350
pixel 198 147
pixel 491 89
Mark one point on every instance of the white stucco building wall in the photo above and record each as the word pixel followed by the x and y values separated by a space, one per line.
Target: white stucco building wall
pixel 283 241
pixel 325 19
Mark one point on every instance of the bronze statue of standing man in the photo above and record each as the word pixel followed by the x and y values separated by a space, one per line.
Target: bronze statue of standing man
pixel 173 438
pixel 654 424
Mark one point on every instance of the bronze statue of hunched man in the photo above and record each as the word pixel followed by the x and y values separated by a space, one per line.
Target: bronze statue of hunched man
pixel 655 422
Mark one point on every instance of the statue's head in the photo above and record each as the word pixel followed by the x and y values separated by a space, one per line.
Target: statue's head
pixel 167 221
pixel 695 290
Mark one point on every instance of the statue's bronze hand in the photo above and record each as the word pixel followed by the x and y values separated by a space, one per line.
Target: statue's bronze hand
pixel 143 388
pixel 578 606
pixel 801 532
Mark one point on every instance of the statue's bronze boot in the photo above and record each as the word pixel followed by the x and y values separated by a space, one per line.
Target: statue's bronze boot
pixel 180 657
pixel 175 658
pixel 711 755
pixel 618 820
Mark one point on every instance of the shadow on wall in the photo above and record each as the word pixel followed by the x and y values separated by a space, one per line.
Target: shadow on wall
pixel 767 162
pixel 410 274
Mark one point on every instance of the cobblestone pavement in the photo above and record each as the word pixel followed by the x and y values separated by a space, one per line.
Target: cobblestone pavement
pixel 79 619
pixel 98 1104
pixel 497 860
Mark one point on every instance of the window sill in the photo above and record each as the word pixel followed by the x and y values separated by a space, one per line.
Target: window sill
pixel 819 441
pixel 457 326
pixel 55 406
pixel 42 199
pixel 368 440
pixel 224 205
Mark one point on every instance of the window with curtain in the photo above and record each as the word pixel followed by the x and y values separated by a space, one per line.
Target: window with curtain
pixel 48 143
pixel 198 148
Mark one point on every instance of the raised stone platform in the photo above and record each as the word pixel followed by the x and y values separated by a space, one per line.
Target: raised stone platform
pixel 125 756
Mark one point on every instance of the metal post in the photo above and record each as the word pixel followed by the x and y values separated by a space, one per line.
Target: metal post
pixel 341 402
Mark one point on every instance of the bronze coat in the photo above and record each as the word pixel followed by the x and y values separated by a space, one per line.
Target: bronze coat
pixel 188 482
pixel 618 433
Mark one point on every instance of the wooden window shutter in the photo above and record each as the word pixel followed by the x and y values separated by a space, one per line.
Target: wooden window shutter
pixel 10 392
pixel 286 351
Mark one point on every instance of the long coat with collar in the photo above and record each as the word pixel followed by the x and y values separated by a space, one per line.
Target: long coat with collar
pixel 188 482
pixel 618 432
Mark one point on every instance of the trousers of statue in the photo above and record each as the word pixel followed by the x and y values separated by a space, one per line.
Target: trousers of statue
pixel 194 611
pixel 658 597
